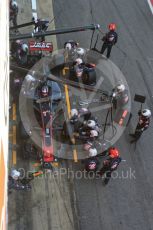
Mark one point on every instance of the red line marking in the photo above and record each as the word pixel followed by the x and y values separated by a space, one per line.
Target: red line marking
pixel 124 113
pixel 121 122
pixel 151 2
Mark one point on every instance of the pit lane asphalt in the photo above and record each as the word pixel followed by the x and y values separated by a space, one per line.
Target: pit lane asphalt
pixel 125 203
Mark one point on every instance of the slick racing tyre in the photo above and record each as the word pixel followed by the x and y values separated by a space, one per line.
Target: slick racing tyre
pixel 72 76
pixel 92 78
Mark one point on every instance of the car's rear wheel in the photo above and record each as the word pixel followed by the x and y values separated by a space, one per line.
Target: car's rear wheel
pixel 92 78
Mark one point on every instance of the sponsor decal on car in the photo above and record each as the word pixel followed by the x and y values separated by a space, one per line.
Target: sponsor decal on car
pixel 40 46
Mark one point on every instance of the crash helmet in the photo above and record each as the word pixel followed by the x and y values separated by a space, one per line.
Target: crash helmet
pixel 93 133
pixel 74 112
pixel 112 26
pixel 15 174
pixel 79 61
pixel 44 90
pixel 25 47
pixel 18 41
pixel 83 110
pixel 146 113
pixel 14 5
pixel 80 51
pixel 87 146
pixel 35 19
pixel 91 124
pixel 92 165
pixel 92 152
pixel 29 78
pixel 120 88
pixel 68 46
pixel 113 152
pixel 74 44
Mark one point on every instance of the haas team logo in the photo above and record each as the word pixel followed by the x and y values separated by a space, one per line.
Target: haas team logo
pixel 40 46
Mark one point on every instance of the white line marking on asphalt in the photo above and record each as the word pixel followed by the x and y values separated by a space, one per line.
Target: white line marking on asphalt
pixel 150 5
pixel 34 9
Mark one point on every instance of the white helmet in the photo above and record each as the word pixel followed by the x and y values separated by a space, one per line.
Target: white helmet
pixel 29 78
pixel 15 174
pixel 92 152
pixel 120 88
pixel 91 124
pixel 83 110
pixel 14 4
pixel 80 51
pixel 25 47
pixel 146 113
pixel 18 41
pixel 93 133
pixel 79 61
pixel 68 46
pixel 43 20
pixel 74 112
pixel 87 146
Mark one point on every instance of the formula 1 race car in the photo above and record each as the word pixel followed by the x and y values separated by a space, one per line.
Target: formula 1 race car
pixel 49 95
pixel 44 96
pixel 83 72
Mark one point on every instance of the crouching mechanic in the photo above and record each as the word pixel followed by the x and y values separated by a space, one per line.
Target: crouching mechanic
pixel 111 164
pixel 76 119
pixel 92 162
pixel 83 120
pixel 74 51
pixel 78 116
pixel 19 50
pixel 17 183
pixel 78 66
pixel 143 124
pixel 70 44
pixel 13 12
pixel 90 135
pixel 83 72
pixel 91 124
pixel 84 128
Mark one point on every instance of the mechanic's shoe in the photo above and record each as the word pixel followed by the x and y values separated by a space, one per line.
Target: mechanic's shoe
pixel 104 57
pixel 133 141
pixel 96 50
pixel 132 135
pixel 105 182
pixel 99 173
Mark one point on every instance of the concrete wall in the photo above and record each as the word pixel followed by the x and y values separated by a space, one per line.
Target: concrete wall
pixel 24 15
pixel 4 105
